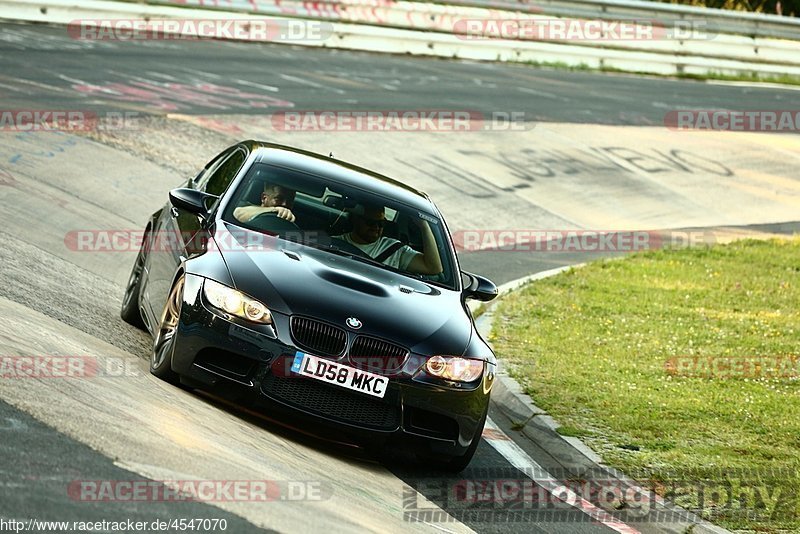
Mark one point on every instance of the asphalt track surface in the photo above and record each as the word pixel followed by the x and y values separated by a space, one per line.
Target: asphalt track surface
pixel 43 65
pixel 53 302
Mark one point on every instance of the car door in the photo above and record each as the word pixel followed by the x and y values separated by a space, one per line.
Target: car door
pixel 177 228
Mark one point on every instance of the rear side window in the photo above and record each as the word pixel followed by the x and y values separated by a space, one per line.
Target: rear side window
pixel 220 178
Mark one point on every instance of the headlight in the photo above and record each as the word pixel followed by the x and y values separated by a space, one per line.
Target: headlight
pixel 236 303
pixel 454 368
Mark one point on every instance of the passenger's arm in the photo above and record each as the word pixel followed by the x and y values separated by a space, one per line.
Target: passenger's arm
pixel 429 261
pixel 247 213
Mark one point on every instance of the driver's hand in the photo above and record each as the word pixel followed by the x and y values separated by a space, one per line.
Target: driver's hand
pixel 283 213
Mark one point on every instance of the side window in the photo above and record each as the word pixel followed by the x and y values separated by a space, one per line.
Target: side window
pixel 202 177
pixel 218 180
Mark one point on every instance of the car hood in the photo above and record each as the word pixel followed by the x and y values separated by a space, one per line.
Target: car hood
pixel 295 279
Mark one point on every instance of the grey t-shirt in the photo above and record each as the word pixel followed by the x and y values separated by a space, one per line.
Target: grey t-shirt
pixel 399 259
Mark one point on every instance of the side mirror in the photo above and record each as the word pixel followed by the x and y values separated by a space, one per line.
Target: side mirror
pixel 479 288
pixel 191 200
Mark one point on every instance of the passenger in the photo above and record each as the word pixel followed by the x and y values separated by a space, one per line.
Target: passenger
pixel 367 235
pixel 274 199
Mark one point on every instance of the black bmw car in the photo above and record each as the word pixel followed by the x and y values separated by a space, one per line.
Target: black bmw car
pixel 320 289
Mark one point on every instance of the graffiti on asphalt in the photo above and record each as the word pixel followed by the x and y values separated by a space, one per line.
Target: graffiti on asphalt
pixel 531 165
pixel 29 147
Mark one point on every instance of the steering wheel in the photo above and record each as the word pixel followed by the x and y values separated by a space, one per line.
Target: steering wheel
pixel 270 222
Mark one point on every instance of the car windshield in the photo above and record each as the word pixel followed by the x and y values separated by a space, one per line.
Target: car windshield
pixel 343 220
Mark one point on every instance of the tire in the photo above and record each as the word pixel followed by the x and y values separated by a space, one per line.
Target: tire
pixel 129 311
pixel 164 342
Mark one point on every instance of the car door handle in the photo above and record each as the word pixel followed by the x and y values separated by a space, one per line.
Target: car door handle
pixel 175 212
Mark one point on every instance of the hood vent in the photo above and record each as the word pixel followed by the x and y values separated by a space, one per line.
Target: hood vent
pixel 354 282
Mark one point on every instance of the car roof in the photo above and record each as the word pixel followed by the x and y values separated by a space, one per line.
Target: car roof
pixel 345 173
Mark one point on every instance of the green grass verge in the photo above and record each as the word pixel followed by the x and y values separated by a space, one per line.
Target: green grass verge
pixel 597 348
pixel 785 79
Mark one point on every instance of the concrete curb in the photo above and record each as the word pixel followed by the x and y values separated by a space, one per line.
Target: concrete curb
pixel 534 423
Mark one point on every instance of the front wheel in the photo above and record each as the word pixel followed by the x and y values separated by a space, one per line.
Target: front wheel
pixel 164 343
pixel 130 301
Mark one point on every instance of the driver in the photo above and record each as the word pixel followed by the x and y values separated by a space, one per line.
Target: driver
pixel 274 199
pixel 367 235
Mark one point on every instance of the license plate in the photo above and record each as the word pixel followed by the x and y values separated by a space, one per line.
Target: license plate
pixel 339 375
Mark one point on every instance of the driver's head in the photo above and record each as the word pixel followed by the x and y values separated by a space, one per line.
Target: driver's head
pixel 277 196
pixel 368 223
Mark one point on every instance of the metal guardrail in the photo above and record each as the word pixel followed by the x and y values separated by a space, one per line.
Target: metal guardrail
pixel 699 41
pixel 720 20
pixel 717 20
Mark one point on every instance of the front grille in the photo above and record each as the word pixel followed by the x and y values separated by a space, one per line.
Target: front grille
pixel 318 338
pixel 332 402
pixel 377 354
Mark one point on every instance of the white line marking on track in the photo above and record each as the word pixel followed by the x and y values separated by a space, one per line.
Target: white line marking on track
pixel 74 81
pixel 161 75
pixel 11 88
pixel 198 72
pixel 544 94
pixel 44 86
pixel 133 77
pixel 309 82
pixel 258 85
pixel 12 423
pixel 520 459
pixel 481 83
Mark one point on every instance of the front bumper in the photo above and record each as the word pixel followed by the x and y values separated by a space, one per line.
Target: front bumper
pixel 212 351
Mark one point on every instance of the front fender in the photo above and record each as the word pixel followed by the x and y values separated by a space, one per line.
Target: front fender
pixel 209 263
